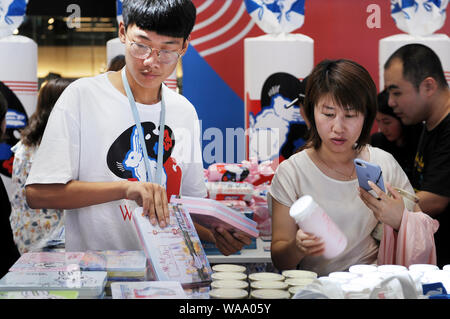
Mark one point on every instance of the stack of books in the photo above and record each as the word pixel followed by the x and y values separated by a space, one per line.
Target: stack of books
pixel 174 252
pixel 39 294
pixel 148 290
pixel 88 284
pixel 48 261
pixel 120 265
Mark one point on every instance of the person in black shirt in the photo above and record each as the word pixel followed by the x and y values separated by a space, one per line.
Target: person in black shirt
pixel 9 253
pixel 394 137
pixel 418 91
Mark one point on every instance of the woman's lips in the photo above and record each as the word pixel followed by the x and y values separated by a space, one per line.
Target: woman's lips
pixel 338 141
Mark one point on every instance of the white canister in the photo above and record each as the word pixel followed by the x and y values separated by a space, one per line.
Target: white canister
pixel 446 268
pixel 271 284
pixel 298 281
pixel 229 268
pixel 391 269
pixel 343 275
pixel 422 268
pixel 362 269
pixel 294 289
pixel 266 276
pixel 225 275
pixel 236 284
pixel 270 294
pixel 228 293
pixel 311 218
pixel 299 274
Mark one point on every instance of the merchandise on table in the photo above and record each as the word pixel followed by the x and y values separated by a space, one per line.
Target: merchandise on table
pixel 270 294
pixel 299 282
pixel 269 284
pixel 343 275
pixel 147 290
pixel 229 268
pixel 230 190
pixel 293 290
pixel 299 274
pixel 362 269
pixel 420 281
pixel 48 261
pixel 228 293
pixel 89 284
pixel 392 269
pixel 212 214
pixel 175 252
pixel 265 276
pixel 224 275
pixel 422 268
pixel 236 284
pixel 39 294
pixel 227 172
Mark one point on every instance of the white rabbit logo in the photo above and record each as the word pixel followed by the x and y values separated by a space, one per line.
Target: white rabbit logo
pixel 134 160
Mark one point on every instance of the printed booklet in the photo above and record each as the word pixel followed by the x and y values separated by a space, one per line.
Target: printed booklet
pixel 175 252
pixel 211 213
pixel 148 290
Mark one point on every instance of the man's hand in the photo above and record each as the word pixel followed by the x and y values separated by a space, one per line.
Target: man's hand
pixel 229 243
pixel 152 198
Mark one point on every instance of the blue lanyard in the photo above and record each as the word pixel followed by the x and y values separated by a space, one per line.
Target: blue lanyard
pixel 162 120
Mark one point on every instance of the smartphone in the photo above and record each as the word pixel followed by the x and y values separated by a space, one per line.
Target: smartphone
pixel 369 172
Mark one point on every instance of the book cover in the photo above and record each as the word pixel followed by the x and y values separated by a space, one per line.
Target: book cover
pixel 125 261
pixel 148 290
pixel 175 252
pixel 89 284
pixel 212 214
pixel 39 294
pixel 93 261
pixel 48 261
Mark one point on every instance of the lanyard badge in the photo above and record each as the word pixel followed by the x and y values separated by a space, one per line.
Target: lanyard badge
pixel 140 131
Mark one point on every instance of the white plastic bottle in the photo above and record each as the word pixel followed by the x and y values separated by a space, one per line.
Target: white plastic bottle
pixel 311 218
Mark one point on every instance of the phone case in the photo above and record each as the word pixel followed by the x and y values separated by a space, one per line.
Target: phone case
pixel 369 172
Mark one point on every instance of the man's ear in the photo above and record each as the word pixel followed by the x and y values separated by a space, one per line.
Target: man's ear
pixel 122 32
pixel 185 45
pixel 428 86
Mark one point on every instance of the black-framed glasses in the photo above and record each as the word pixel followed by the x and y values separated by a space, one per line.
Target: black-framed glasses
pixel 142 51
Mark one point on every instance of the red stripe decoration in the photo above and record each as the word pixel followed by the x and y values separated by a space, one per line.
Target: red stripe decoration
pixel 24 87
pixel 219 23
pixel 171 83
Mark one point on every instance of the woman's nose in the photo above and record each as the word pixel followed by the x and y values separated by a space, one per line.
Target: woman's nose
pixel 338 125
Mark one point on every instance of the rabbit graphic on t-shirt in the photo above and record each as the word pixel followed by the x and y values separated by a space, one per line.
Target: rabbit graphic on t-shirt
pixel 134 160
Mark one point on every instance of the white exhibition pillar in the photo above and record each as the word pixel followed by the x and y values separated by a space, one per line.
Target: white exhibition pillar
pixel 439 43
pixel 18 71
pixel 263 57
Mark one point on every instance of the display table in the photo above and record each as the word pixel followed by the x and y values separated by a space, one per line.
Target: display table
pixel 258 255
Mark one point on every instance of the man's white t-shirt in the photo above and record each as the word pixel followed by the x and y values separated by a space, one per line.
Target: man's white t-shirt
pixel 91 136
pixel 298 176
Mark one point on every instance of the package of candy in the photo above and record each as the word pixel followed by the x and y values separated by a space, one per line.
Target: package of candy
pixel 230 191
pixel 223 172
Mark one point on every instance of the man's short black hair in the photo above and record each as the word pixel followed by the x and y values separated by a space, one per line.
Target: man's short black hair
pixel 173 18
pixel 419 62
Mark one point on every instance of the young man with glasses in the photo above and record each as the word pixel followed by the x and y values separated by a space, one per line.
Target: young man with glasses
pixel 91 156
